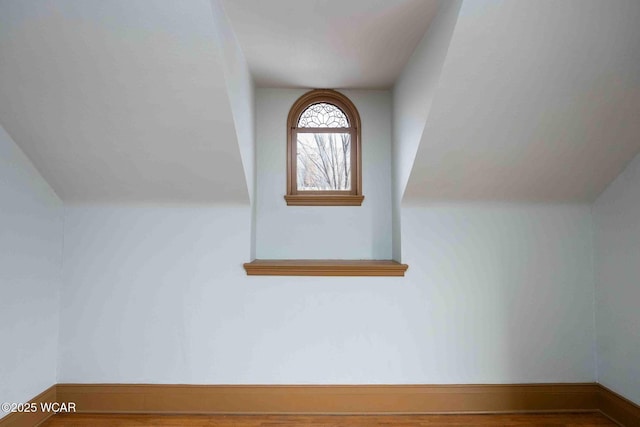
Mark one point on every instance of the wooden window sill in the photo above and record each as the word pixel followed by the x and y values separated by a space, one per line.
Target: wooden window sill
pixel 324 199
pixel 305 267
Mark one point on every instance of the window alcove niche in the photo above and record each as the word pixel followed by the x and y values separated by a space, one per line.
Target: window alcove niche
pixel 329 160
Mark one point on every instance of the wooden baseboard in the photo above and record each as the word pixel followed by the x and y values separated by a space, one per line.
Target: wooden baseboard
pixel 30 419
pixel 619 409
pixel 330 399
pixel 368 399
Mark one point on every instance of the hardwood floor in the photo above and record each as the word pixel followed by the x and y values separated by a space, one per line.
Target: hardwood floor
pixel 507 420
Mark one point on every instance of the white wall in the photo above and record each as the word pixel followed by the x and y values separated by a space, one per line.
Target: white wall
pixel 413 94
pixel 414 91
pixel 617 270
pixel 241 93
pixel 493 294
pixel 30 271
pixel 343 232
pixel 504 291
pixel 150 293
pixel 240 90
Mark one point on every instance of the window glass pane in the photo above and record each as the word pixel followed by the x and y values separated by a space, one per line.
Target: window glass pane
pixel 323 115
pixel 324 161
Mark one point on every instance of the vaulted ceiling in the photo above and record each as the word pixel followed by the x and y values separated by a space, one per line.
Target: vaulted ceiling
pixel 329 43
pixel 120 100
pixel 135 101
pixel 536 101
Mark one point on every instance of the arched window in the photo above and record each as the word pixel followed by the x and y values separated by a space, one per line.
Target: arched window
pixel 323 151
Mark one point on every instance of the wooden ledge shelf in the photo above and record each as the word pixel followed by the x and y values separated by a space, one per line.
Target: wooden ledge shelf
pixel 309 267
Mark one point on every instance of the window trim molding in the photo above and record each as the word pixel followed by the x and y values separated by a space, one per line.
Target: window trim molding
pixel 353 197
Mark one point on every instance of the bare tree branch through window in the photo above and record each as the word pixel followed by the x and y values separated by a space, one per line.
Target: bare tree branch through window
pixel 324 161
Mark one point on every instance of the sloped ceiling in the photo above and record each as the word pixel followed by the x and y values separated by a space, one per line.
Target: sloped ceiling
pixel 135 101
pixel 329 43
pixel 537 101
pixel 120 100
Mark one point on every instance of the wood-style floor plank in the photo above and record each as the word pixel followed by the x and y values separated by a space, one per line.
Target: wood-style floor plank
pixel 506 420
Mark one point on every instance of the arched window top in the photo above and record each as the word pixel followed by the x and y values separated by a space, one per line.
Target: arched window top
pixel 323 115
pixel 323 151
